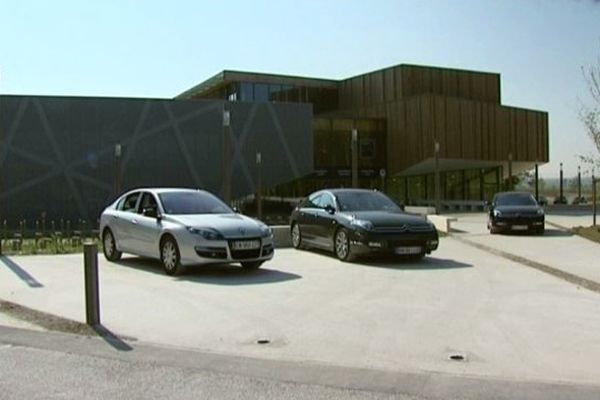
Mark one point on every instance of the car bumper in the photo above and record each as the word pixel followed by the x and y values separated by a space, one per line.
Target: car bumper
pixel 221 252
pixel 399 244
pixel 518 224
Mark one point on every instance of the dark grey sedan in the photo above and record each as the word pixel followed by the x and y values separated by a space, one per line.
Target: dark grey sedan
pixel 352 222
pixel 515 212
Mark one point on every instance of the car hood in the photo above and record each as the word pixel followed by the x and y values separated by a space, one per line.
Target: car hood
pixel 384 219
pixel 518 209
pixel 229 225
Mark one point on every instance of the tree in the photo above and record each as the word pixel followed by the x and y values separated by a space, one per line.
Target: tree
pixel 590 113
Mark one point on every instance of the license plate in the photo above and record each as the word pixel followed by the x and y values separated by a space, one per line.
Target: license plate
pixel 408 250
pixel 245 245
pixel 520 227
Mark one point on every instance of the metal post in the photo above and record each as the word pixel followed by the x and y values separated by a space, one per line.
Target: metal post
pixel 561 183
pixel 117 183
pixel 92 300
pixel 537 189
pixel 510 175
pixel 579 183
pixel 259 185
pixel 1 170
pixel 594 199
pixel 436 155
pixel 226 158
pixel 354 146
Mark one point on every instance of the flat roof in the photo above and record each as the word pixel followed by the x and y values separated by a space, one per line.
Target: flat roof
pixel 227 76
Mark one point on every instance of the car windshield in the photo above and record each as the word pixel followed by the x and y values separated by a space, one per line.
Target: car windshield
pixel 515 199
pixel 192 203
pixel 365 201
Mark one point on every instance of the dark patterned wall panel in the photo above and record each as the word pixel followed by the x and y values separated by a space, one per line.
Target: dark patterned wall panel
pixel 57 153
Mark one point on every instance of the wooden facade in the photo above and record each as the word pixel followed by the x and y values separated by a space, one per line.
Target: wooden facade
pixel 459 109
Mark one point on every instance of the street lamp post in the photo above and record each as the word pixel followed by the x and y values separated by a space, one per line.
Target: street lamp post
pixel 561 182
pixel 117 182
pixel 354 146
pixel 579 183
pixel 537 191
pixel 226 158
pixel 436 155
pixel 259 185
pixel 1 170
pixel 510 176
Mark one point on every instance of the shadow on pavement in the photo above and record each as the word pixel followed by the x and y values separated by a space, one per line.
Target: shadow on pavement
pixel 111 338
pixel 547 233
pixel 20 272
pixel 426 263
pixel 227 274
pixel 399 262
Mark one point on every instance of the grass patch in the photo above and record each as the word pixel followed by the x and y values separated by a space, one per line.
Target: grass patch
pixel 589 232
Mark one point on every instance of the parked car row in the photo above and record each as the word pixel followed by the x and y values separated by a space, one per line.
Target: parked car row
pixel 183 227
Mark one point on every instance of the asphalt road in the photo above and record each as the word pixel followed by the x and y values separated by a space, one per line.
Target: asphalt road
pixel 36 365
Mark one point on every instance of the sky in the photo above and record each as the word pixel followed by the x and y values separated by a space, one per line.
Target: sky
pixel 159 49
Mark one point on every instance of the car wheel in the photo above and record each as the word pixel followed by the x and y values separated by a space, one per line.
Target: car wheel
pixel 252 264
pixel 296 236
pixel 540 231
pixel 169 255
pixel 341 245
pixel 109 246
pixel 492 229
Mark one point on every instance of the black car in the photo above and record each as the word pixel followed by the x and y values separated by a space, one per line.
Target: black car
pixel 514 212
pixel 353 222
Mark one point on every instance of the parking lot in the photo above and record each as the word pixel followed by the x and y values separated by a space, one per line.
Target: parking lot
pixel 508 320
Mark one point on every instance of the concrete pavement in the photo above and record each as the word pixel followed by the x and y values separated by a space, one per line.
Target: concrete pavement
pixel 558 247
pixel 510 322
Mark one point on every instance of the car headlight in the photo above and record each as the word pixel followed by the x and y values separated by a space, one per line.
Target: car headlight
pixel 206 233
pixel 540 212
pixel 366 225
pixel 497 213
pixel 266 231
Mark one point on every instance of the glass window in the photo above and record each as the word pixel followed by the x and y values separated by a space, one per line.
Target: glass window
pixel 148 201
pixel 261 92
pixel 130 202
pixel 313 201
pixel 326 200
pixel 192 203
pixel 246 91
pixel 515 199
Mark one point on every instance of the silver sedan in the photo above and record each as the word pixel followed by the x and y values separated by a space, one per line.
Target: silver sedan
pixel 183 227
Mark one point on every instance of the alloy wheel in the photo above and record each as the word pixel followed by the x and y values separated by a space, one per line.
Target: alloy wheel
pixel 296 236
pixel 169 255
pixel 341 244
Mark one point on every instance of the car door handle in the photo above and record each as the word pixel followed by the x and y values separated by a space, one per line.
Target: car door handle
pixel 134 221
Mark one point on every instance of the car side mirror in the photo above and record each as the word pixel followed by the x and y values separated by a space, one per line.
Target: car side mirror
pixel 330 209
pixel 236 210
pixel 402 207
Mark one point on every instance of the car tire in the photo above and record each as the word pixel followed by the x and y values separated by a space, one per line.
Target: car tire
pixel 341 245
pixel 296 236
pixel 493 230
pixel 540 231
pixel 252 264
pixel 170 257
pixel 109 246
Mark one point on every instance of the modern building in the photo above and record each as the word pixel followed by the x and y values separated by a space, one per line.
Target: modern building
pixel 400 113
pixel 65 158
